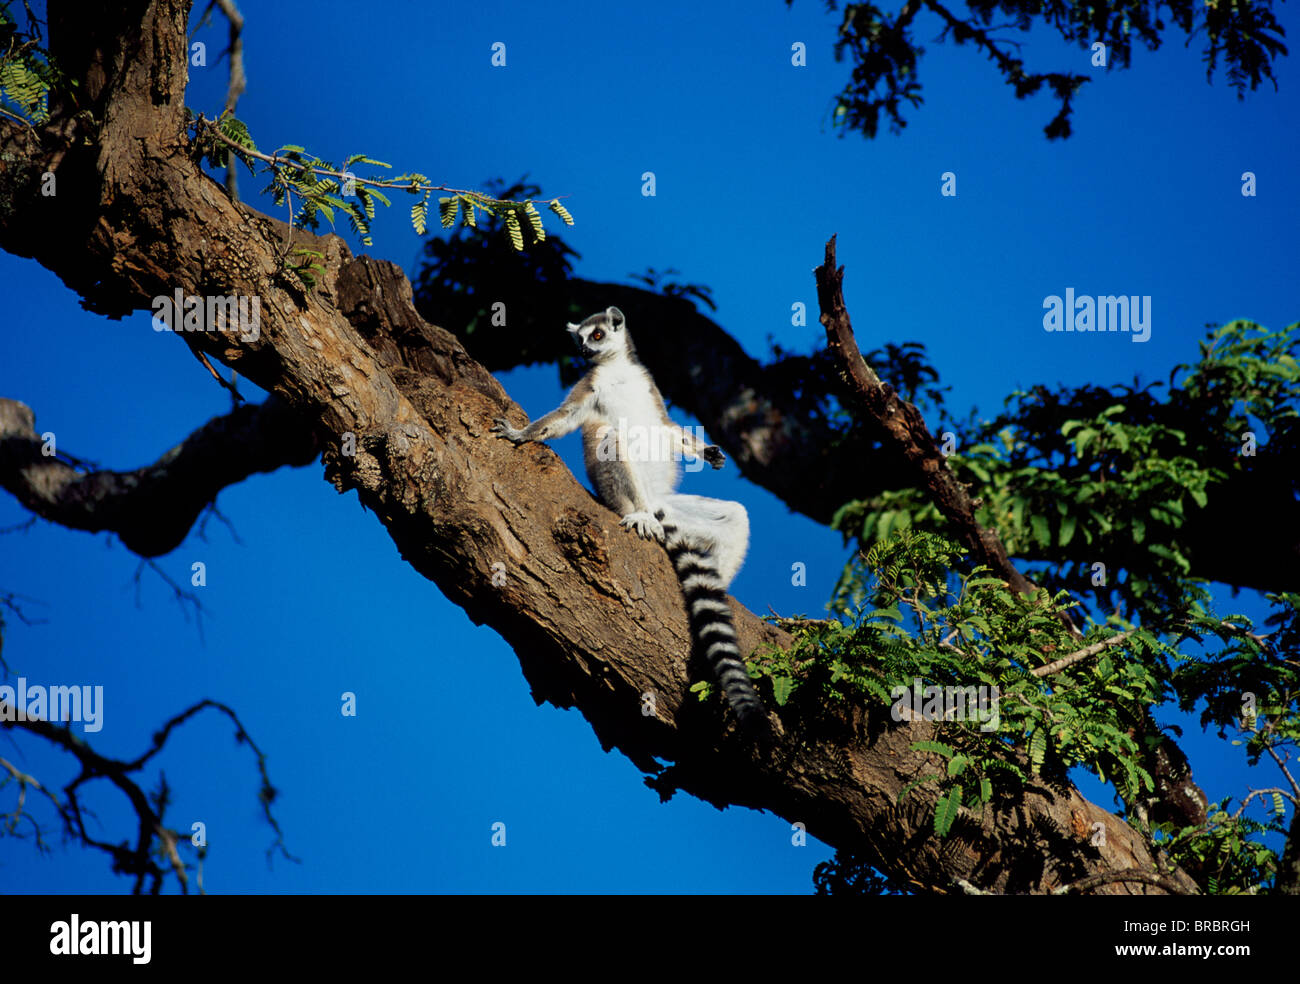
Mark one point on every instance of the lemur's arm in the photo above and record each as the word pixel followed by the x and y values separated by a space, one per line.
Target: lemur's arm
pixel 693 446
pixel 564 419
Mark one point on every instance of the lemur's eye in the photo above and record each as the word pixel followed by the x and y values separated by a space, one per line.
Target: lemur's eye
pixel 597 335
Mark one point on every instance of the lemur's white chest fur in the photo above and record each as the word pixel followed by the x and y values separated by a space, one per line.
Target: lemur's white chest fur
pixel 623 389
pixel 630 425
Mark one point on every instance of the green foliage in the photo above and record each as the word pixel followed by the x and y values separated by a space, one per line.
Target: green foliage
pixel 912 614
pixel 308 268
pixel 1242 34
pixel 1070 476
pixel 1252 682
pixel 1227 849
pixel 23 90
pixel 907 614
pixel 26 73
pixel 464 273
pixel 314 188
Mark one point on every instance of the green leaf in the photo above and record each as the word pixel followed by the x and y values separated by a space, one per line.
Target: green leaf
pixel 561 211
pixel 1042 533
pixel 516 233
pixel 885 524
pixel 1018 513
pixel 782 686
pixel 914 783
pixel 938 747
pixel 448 208
pixel 945 811
pixel 1067 529
pixel 535 220
pixel 420 215
pixel 1038 749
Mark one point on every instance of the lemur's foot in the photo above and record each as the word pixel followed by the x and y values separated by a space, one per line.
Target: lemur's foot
pixel 644 525
pixel 714 456
pixel 502 427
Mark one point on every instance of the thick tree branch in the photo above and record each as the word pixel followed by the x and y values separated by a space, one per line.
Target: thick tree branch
pixel 593 613
pixel 150 508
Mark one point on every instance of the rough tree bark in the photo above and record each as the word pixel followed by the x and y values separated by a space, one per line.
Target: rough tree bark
pixel 594 614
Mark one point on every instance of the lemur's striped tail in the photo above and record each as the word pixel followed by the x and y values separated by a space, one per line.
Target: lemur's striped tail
pixel 712 630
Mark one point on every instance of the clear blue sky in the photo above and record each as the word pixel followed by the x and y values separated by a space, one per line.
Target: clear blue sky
pixel 314 600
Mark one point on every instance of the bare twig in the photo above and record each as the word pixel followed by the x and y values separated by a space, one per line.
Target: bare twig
pixel 1295 787
pixel 181 595
pixel 25 782
pixel 1264 792
pixel 238 81
pixel 1080 655
pixel 138 860
pixel 235 397
pixel 796 622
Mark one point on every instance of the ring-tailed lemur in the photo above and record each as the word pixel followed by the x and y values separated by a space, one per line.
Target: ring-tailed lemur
pixel 631 449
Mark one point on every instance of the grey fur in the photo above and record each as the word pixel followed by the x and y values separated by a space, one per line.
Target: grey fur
pixel 614 403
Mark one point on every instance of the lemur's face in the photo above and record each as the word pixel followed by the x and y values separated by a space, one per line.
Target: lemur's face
pixel 600 337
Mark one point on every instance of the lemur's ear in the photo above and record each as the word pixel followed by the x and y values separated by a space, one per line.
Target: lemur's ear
pixel 573 327
pixel 615 316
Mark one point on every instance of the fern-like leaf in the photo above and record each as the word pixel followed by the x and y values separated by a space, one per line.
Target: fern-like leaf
pixel 938 747
pixel 515 231
pixel 535 220
pixel 555 206
pixel 945 811
pixel 447 211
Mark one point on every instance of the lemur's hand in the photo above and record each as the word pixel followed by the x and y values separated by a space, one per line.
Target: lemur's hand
pixel 714 456
pixel 502 427
pixel 645 525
